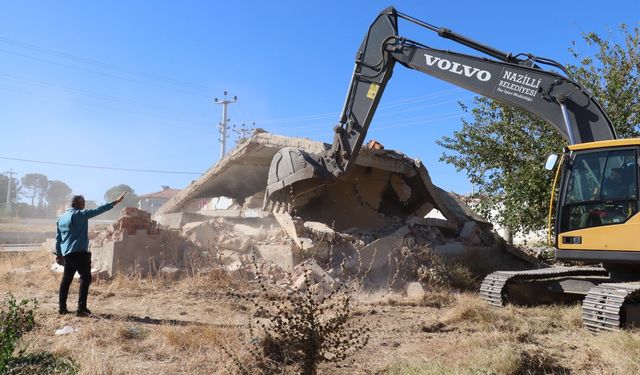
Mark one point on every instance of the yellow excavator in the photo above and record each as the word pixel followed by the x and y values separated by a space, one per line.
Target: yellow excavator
pixel 596 218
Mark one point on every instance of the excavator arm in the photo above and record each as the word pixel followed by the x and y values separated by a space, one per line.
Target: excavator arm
pixel 517 81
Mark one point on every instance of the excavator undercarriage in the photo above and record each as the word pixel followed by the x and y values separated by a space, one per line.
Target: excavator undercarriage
pixel 607 305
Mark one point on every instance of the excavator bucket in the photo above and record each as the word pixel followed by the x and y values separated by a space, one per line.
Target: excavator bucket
pixel 294 172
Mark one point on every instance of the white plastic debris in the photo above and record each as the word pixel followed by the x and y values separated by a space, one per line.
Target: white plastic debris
pixel 66 330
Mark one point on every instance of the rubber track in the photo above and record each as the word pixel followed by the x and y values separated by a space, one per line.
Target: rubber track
pixel 492 287
pixel 602 306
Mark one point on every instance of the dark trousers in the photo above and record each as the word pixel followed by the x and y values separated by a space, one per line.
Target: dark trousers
pixel 81 263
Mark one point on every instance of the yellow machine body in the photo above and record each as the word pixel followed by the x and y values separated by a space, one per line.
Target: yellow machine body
pixel 610 238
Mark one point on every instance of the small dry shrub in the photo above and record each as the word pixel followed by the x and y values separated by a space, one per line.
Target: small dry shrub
pixel 301 329
pixel 421 263
pixel 16 319
pixel 132 332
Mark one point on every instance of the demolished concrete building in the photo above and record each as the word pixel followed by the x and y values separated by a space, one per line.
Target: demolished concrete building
pixel 359 226
pixel 351 224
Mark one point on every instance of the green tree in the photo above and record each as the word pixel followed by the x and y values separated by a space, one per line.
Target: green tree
pixel 58 194
pixel 4 184
pixel 34 185
pixel 611 73
pixel 130 200
pixel 502 149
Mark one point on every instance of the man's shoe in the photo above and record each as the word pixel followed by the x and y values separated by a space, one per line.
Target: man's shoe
pixel 63 311
pixel 83 312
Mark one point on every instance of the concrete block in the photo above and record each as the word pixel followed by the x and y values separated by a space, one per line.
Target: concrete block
pixel 177 219
pixel 286 222
pixel 228 257
pixel 202 233
pixel 306 244
pixel 470 233
pixel 240 245
pixel 400 187
pixel 139 253
pixel 318 227
pixel 247 230
pixel 317 276
pixel 376 254
pixel 232 212
pixel 450 249
pixel 440 223
pixel 283 255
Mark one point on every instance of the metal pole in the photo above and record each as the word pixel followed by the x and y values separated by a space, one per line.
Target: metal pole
pixel 223 127
pixel 223 124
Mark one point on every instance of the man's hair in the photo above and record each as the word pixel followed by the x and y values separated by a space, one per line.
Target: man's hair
pixel 75 200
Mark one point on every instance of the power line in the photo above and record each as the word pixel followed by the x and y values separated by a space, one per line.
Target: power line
pixel 107 66
pixel 394 103
pixel 382 114
pixel 402 124
pixel 98 166
pixel 162 85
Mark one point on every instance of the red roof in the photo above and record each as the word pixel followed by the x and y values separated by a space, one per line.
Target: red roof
pixel 162 194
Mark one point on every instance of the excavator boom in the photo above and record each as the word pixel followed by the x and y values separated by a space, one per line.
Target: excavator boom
pixel 512 80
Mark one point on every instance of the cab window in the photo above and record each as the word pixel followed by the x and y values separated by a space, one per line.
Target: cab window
pixel 601 189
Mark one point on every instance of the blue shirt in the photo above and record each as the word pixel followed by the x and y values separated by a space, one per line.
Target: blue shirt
pixel 73 228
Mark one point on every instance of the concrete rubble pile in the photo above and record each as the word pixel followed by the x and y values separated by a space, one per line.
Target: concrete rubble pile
pixel 351 227
pixel 137 244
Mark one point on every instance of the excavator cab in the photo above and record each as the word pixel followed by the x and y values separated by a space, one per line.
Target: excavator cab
pixel 598 203
pixel 601 189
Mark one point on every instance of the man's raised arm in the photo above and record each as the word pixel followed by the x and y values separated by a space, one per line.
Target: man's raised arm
pixel 104 208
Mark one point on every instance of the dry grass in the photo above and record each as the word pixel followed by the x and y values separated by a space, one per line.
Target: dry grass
pixel 166 326
pixel 20 225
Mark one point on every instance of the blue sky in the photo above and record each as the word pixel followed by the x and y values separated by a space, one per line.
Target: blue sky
pixel 131 84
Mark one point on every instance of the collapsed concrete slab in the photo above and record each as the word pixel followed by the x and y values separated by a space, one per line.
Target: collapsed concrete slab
pixel 383 183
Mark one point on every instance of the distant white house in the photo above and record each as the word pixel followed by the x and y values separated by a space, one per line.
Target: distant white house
pixel 530 239
pixel 151 202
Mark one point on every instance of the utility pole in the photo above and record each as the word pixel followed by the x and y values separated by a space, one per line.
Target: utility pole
pixel 7 208
pixel 243 131
pixel 222 126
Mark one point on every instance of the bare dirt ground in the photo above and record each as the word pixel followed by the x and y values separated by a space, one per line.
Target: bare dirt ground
pixel 38 225
pixel 160 326
pixel 27 225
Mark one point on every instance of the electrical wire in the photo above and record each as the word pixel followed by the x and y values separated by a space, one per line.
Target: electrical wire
pixel 108 75
pixel 93 62
pixel 399 125
pixel 98 166
pixel 320 116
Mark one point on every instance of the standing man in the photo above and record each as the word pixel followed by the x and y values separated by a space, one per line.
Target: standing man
pixel 72 250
